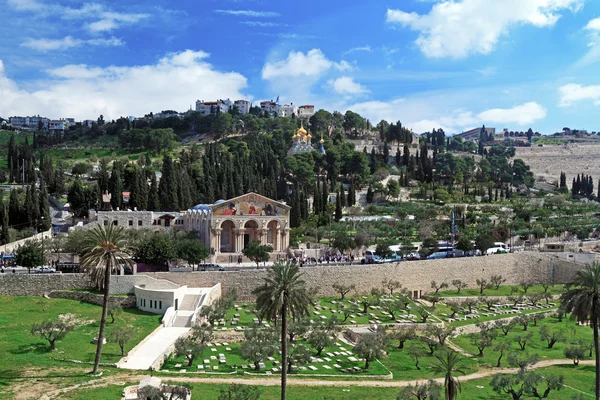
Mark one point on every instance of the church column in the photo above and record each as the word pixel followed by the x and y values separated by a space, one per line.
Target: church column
pixel 218 243
pixel 276 240
pixel 237 243
pixel 285 239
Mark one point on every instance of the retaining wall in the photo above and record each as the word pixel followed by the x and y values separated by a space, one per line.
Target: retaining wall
pixel 92 298
pixel 414 275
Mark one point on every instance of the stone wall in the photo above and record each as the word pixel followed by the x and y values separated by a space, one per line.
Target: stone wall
pixel 93 298
pixel 414 275
pixel 40 284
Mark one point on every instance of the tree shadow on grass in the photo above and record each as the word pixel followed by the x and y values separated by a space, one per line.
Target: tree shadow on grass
pixel 33 348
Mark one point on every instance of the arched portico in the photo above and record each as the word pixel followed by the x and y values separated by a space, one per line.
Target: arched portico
pixel 227 243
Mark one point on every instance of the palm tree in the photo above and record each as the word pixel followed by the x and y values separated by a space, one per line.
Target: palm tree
pixel 583 302
pixel 447 364
pixel 283 294
pixel 105 249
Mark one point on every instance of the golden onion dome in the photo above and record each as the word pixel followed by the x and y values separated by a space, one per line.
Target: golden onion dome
pixel 301 131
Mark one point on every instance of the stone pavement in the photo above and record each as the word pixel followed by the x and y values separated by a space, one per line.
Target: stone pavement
pixel 144 356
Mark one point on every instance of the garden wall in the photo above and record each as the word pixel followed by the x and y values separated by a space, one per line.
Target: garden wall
pixel 414 275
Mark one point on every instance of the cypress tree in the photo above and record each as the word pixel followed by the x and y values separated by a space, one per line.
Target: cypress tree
pixel 29 208
pixel 167 189
pixel 4 233
pixel 338 207
pixel 342 195
pixel 406 155
pixel 14 208
pixel 317 199
pixel 373 161
pixel 351 195
pixel 142 197
pixel 398 157
pixel 574 187
pixel 153 197
pixel 35 200
pixel 135 190
pixel 44 207
pixel 116 187
pixel 325 196
pixel 370 195
pixel 386 153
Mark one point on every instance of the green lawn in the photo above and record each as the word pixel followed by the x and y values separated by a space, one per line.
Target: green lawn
pixel 536 344
pixel 501 291
pixel 22 354
pixel 323 309
pixel 235 362
pixel 577 379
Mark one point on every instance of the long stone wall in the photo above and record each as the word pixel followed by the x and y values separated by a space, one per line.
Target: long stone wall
pixel 414 275
pixel 40 284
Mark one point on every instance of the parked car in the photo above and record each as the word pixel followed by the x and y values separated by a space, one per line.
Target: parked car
pixel 44 270
pixel 413 257
pixel 437 255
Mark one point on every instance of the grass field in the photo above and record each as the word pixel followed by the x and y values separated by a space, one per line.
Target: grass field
pixel 324 308
pixel 22 354
pixel 502 291
pixel 577 380
pixel 569 329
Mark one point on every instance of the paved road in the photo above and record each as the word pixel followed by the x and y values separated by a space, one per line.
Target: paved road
pixel 144 356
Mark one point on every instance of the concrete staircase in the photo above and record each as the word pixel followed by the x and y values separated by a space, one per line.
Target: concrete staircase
pixel 190 302
pixel 183 321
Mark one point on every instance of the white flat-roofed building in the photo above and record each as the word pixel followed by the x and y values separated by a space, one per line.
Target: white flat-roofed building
pixel 29 122
pixel 269 106
pixel 287 110
pixel 213 107
pixel 243 106
pixel 306 111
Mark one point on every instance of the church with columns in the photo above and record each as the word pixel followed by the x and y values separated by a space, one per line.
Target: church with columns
pixel 227 226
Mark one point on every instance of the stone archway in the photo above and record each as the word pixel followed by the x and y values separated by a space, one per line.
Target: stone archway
pixel 227 244
pixel 272 234
pixel 251 232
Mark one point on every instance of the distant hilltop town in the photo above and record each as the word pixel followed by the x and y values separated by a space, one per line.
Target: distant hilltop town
pixel 270 107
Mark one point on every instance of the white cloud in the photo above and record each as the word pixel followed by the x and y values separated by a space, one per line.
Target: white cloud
pixel 111 20
pixel 593 55
pixel 347 86
pixel 367 49
pixel 463 27
pixel 523 114
pixel 593 25
pixel 573 93
pixel 69 42
pixel 82 92
pixel 249 13
pixel 263 24
pixel 424 114
pixel 297 64
pixel 99 17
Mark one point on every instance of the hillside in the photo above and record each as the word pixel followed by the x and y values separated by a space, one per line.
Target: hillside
pixel 573 159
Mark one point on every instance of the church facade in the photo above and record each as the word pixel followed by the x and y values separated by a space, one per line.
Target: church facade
pixel 226 226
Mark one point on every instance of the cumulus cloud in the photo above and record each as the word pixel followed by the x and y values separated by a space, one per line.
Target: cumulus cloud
pixel 573 93
pixel 459 28
pixel 297 64
pixel 523 114
pixel 347 86
pixel 82 91
pixel 69 42
pixel 422 116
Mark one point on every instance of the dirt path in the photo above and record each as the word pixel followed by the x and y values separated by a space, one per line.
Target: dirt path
pixel 292 381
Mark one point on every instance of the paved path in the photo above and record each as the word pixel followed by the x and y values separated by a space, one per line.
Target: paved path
pixel 122 379
pixel 148 352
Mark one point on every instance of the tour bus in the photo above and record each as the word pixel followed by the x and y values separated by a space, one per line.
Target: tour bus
pixel 499 248
pixel 372 258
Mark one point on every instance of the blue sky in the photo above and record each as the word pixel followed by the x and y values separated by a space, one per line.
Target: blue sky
pixel 452 64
